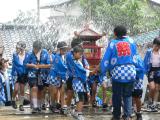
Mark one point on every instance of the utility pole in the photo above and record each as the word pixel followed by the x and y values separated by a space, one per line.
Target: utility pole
pixel 38 20
pixel 38 12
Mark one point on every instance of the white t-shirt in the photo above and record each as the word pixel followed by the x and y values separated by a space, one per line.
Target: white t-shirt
pixel 21 58
pixel 38 55
pixel 155 60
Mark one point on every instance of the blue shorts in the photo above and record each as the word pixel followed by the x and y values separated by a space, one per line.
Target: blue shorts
pixel 69 83
pixel 33 82
pixel 22 79
pixel 154 76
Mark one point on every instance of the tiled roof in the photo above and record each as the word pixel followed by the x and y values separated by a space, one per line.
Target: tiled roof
pixel 147 37
pixel 49 4
pixel 10 35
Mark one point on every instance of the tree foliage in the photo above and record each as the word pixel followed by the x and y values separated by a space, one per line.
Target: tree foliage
pixel 137 15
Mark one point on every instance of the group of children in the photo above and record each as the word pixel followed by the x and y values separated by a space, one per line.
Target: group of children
pixel 66 74
pixel 43 69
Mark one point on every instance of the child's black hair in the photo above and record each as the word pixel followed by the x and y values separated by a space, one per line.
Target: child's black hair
pixel 37 44
pixel 61 44
pixel 77 49
pixel 21 45
pixel 76 41
pixel 156 41
pixel 48 47
pixel 120 31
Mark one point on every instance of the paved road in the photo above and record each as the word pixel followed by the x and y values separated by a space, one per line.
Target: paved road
pixel 11 114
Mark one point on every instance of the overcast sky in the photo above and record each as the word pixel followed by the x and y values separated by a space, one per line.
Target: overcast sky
pixel 9 8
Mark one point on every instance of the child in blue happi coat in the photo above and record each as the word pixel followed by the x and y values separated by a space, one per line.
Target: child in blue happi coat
pixel 70 65
pixel 19 73
pixel 47 88
pixel 138 87
pixel 80 75
pixel 58 76
pixel 37 65
pixel 119 60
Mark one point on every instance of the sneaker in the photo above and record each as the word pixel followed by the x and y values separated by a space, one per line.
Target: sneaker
pixel 152 108
pixel 43 107
pixel 78 116
pixel 50 107
pixel 113 118
pixel 158 106
pixel 35 110
pixel 58 106
pixel 14 105
pixel 31 106
pixel 139 116
pixel 94 104
pixel 126 118
pixel 104 106
pixel 71 111
pixel 64 111
pixel 54 109
pixel 21 108
pixel 39 109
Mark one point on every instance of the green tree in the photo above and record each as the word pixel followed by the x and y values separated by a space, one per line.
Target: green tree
pixel 136 15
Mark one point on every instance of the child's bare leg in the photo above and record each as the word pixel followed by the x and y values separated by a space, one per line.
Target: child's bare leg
pixel 53 94
pixel 94 92
pixel 34 96
pixel 16 88
pixel 55 91
pixel 58 95
pixel 40 97
pixel 151 91
pixel 156 95
pixel 104 90
pixel 79 106
pixel 62 96
pixel 69 97
pixel 138 103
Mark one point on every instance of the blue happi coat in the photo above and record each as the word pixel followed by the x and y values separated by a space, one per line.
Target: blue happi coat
pixel 32 59
pixel 58 68
pixel 140 70
pixel 147 60
pixel 80 76
pixel 120 60
pixel 71 65
pixel 18 68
